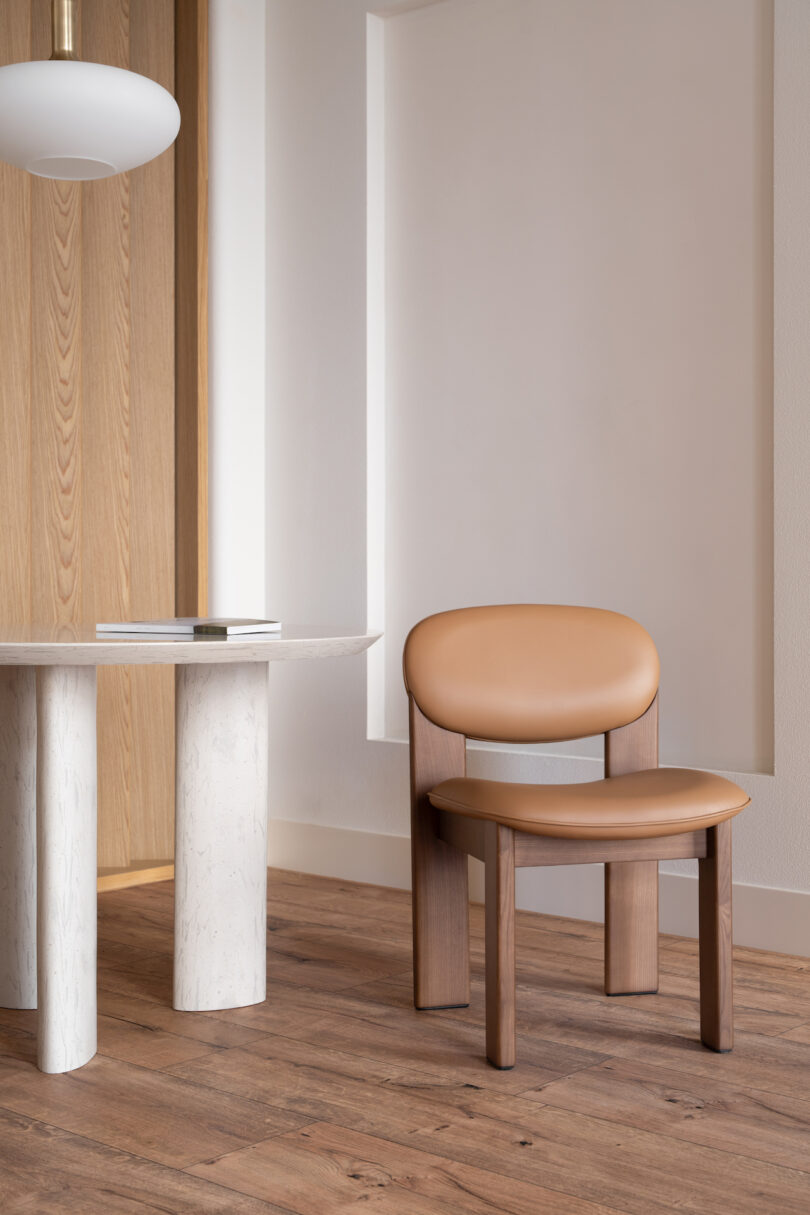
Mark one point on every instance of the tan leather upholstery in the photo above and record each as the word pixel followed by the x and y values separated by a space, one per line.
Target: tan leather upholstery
pixel 659 801
pixel 530 672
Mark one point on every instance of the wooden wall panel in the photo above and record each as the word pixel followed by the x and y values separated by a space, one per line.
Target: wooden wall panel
pixel 56 331
pixel 191 308
pixel 15 356
pixel 87 406
pixel 152 444
pixel 56 368
pixel 106 577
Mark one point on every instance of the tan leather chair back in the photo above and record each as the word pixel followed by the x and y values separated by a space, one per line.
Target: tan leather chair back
pixel 530 672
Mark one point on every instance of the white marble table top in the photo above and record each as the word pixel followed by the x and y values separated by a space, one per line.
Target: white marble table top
pixel 79 645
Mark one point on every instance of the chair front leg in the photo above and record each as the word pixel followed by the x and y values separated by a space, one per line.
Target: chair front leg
pixel 714 893
pixel 631 928
pixel 500 944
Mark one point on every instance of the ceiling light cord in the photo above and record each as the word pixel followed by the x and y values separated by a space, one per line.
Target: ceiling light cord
pixel 63 29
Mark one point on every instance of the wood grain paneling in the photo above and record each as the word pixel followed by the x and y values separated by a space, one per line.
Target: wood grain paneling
pixel 152 447
pixel 15 364
pixel 56 369
pixel 56 332
pixel 87 400
pixel 191 307
pixel 106 260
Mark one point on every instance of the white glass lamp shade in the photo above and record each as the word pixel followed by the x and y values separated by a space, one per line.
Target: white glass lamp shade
pixel 77 121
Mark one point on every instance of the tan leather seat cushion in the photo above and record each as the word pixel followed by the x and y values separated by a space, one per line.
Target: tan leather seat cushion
pixel 658 801
pixel 530 672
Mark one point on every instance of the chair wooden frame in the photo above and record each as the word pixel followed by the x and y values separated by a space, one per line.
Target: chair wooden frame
pixel 441 842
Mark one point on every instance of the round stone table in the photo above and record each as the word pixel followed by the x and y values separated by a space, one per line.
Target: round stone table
pixel 48 818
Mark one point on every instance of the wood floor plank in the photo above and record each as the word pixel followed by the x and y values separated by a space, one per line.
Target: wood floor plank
pixel 765 1126
pixel 635 1171
pixel 282 915
pixel 129 922
pixel 143 1045
pixel 325 1168
pixel 334 1093
pixel 135 972
pixel 613 1027
pixel 19 1019
pixel 294 1010
pixel 501 1133
pixel 162 1118
pixel 312 883
pixel 758 1006
pixel 800 1034
pixel 399 1036
pixel 442 1048
pixel 207 1029
pixel 305 903
pixel 761 958
pixel 757 1062
pixel 324 1084
pixel 47 1171
pixel 677 998
pixel 758 986
pixel 321 957
pixel 17 1044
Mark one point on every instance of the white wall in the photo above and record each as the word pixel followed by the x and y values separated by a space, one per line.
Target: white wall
pixel 237 321
pixel 579 335
pixel 340 801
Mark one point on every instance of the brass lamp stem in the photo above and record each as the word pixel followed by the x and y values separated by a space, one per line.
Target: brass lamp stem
pixel 63 27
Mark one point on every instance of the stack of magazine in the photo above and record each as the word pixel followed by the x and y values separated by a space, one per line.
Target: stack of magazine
pixel 191 626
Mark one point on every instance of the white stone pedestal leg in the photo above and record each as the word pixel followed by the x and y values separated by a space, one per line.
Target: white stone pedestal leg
pixel 18 838
pixel 66 866
pixel 220 909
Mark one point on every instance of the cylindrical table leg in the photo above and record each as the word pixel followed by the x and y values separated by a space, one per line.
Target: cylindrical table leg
pixel 220 909
pixel 66 866
pixel 18 838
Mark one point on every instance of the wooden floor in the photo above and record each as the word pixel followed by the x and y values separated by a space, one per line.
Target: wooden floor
pixel 336 1096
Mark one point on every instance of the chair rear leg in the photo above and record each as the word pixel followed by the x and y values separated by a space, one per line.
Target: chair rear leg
pixel 714 893
pixel 631 927
pixel 500 944
pixel 441 918
pixel 441 933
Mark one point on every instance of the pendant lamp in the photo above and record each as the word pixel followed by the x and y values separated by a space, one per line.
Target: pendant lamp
pixel 76 121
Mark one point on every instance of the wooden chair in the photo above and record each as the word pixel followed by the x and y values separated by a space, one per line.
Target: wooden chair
pixel 532 673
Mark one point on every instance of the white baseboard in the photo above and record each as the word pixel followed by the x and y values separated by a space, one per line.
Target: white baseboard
pixel 356 856
pixel 764 917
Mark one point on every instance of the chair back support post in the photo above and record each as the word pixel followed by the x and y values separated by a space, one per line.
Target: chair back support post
pixel 631 887
pixel 441 957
